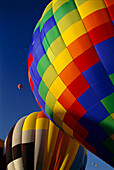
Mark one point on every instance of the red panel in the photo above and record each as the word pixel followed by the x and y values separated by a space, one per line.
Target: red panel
pixel 78 86
pixel 77 137
pixel 69 121
pixel 41 115
pixel 90 148
pixel 111 12
pixel 38 103
pixel 76 110
pixel 31 83
pixel 102 33
pixel 66 99
pixel 30 60
pixel 87 59
pixel 80 130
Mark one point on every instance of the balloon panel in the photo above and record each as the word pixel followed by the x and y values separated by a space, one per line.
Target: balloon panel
pixel 71 71
pixel 36 143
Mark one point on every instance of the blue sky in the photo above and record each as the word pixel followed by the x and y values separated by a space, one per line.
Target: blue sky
pixel 17 21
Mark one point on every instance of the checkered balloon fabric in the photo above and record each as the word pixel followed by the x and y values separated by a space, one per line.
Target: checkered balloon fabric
pixel 71 71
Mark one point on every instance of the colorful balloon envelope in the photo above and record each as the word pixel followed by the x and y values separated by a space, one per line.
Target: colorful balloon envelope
pixel 35 143
pixel 71 71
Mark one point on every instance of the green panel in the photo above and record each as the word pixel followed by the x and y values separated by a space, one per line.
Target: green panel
pixel 43 64
pixel 45 44
pixel 45 18
pixel 112 78
pixel 109 144
pixel 108 125
pixel 42 90
pixel 112 159
pixel 108 103
pixel 50 100
pixel 52 35
pixel 48 111
pixel 37 25
pixel 64 9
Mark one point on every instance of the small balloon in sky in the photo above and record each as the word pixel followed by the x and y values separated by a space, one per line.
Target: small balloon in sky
pixel 93 163
pixel 20 86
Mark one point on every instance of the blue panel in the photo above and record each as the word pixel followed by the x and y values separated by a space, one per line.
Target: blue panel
pixel 104 153
pixel 35 75
pixel 88 122
pixel 95 73
pixel 30 50
pixel 36 94
pixel 97 134
pixel 38 52
pixel 88 99
pixel 50 23
pixel 98 112
pixel 105 50
pixel 103 88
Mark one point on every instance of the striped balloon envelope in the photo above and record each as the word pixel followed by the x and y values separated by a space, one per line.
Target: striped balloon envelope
pixel 35 143
pixel 2 163
pixel 71 71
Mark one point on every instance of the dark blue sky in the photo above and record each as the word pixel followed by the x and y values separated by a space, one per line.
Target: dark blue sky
pixel 17 22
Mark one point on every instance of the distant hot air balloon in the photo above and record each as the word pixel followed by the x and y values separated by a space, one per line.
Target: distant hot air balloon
pixel 20 86
pixel 35 143
pixel 71 71
pixel 93 163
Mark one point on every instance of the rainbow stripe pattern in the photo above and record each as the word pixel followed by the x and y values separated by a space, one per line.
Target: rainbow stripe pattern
pixel 71 71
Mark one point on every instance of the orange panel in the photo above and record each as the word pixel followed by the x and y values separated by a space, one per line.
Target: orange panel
pixel 80 45
pixel 70 73
pixel 95 19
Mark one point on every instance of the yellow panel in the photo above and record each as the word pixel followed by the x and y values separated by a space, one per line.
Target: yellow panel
pixel 73 32
pixel 112 115
pixel 85 151
pixel 30 122
pixel 51 141
pixel 49 76
pixel 57 4
pixel 57 120
pixel 50 100
pixel 69 19
pixel 50 55
pixel 57 46
pixel 71 153
pixel 67 129
pixel 42 123
pixel 59 110
pixel 62 60
pixel 90 6
pixel 57 87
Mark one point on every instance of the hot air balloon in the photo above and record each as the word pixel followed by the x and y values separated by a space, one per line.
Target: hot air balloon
pixel 71 71
pixel 2 163
pixel 20 86
pixel 35 143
